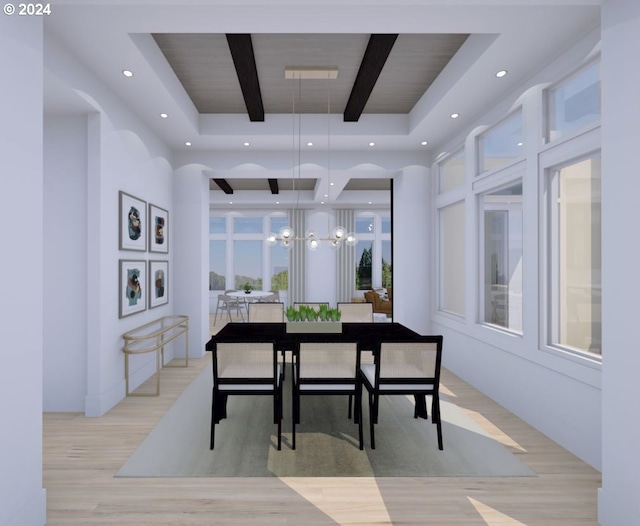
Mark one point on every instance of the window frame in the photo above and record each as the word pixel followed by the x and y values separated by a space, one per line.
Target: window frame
pixel 546 106
pixel 565 153
pixel 479 171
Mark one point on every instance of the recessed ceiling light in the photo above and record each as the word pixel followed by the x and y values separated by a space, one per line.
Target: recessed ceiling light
pixel 326 195
pixel 164 115
pixel 127 73
pixel 520 144
pixel 424 143
pixel 332 184
pixel 370 202
pixel 246 144
pixel 309 144
pixel 321 202
pixel 187 143
pixel 501 73
pixel 277 202
pixel 455 115
pixel 230 202
pixel 372 144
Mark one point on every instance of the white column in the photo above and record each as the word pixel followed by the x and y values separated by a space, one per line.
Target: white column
pixel 22 497
pixel 412 260
pixel 618 499
pixel 189 277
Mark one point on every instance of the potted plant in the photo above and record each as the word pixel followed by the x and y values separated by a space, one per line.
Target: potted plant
pixel 248 288
pixel 307 319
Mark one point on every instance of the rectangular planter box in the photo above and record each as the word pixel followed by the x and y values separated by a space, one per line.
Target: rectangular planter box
pixel 314 326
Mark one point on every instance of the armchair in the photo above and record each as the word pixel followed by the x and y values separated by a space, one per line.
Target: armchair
pixel 380 305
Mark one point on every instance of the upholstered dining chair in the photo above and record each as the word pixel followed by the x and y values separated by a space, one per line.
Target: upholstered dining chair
pixel 356 312
pixel 266 312
pixel 245 369
pixel 405 368
pixel 327 368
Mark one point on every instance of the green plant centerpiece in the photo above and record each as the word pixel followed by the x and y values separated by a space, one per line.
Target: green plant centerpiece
pixel 309 319
pixel 248 288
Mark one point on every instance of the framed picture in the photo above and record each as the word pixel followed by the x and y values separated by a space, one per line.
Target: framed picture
pixel 158 283
pixel 158 229
pixel 132 281
pixel 133 223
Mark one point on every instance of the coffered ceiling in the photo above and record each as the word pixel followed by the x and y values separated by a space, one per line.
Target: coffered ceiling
pixel 215 68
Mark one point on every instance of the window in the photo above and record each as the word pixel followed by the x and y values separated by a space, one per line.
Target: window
pixel 217 265
pixel 501 268
pixel 247 263
pixel 238 254
pixel 451 172
pixel 574 103
pixel 451 268
pixel 279 260
pixel 373 250
pixel 574 251
pixel 501 145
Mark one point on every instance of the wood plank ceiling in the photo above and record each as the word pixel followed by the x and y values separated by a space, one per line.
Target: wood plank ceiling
pixel 244 73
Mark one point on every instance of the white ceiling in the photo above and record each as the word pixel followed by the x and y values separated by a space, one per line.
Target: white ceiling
pixel 520 36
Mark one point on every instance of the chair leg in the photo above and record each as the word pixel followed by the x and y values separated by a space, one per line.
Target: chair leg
pixel 350 404
pixel 278 402
pixel 358 416
pixel 435 417
pixel 371 421
pixel 213 421
pixel 294 416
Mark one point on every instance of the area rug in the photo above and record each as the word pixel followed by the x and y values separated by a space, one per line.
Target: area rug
pixel 326 441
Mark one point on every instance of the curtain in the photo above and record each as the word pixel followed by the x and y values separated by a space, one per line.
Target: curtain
pixel 346 257
pixel 297 258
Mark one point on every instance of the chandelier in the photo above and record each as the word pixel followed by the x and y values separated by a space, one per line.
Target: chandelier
pixel 338 235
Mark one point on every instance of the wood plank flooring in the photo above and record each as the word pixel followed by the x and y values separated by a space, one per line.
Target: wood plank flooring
pixel 82 455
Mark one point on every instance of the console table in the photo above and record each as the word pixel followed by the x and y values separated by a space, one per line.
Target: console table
pixel 152 337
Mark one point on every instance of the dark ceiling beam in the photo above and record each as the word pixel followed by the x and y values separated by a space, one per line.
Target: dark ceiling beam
pixel 245 62
pixel 373 61
pixel 224 186
pixel 273 184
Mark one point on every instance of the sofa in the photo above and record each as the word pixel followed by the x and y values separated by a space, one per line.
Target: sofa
pixel 380 305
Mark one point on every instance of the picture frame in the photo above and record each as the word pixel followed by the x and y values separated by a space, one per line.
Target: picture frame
pixel 158 283
pixel 133 223
pixel 158 229
pixel 132 281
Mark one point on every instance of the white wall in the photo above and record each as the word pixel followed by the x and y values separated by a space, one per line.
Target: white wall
pixel 22 498
pixel 558 394
pixel 191 244
pixel 413 217
pixel 618 501
pixel 122 154
pixel 65 263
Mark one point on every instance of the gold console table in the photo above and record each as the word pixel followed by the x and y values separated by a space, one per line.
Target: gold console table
pixel 152 337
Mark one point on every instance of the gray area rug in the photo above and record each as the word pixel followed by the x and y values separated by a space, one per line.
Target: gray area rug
pixel 327 442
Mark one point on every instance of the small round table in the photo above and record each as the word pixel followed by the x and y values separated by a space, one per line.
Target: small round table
pixel 254 295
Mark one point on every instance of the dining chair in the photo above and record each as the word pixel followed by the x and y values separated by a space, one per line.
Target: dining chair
pixel 227 304
pixel 327 368
pixel 405 368
pixel 266 312
pixel 356 312
pixel 243 368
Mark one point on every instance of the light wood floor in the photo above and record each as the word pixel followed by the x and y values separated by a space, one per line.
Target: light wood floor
pixel 81 456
